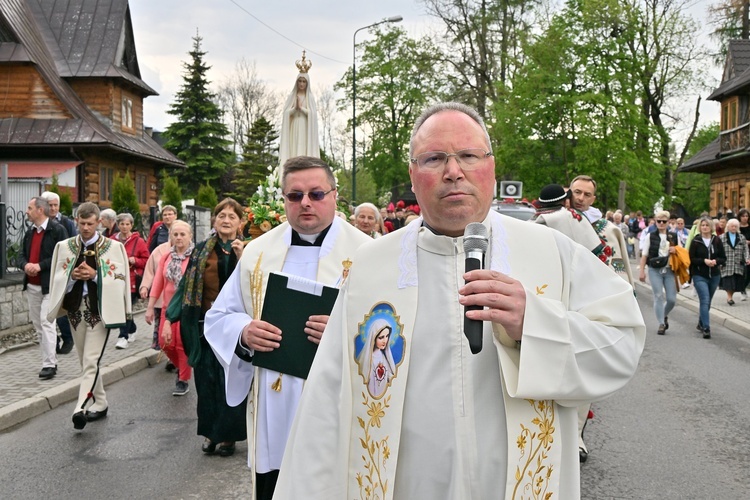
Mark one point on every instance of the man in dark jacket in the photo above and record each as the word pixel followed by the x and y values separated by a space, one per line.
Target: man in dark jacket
pixel 38 246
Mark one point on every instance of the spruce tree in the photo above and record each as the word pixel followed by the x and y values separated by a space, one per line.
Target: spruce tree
pixel 66 201
pixel 258 153
pixel 171 194
pixel 206 197
pixel 124 199
pixel 198 137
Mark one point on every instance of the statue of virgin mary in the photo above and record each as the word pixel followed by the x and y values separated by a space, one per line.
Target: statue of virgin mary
pixel 299 123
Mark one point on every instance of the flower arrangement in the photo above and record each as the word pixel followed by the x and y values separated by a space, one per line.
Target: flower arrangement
pixel 265 209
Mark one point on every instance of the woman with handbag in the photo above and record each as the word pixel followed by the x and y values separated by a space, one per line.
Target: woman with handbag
pixel 655 252
pixel 706 257
pixel 733 271
pixel 138 255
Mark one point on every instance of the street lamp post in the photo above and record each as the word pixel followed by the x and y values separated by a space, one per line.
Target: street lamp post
pixel 392 19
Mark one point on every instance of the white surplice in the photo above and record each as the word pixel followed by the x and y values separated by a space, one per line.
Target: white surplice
pixel 269 426
pixel 453 425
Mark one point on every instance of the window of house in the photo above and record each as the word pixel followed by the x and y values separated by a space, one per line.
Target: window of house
pixel 734 197
pixel 730 113
pixel 719 200
pixel 127 113
pixel 106 177
pixel 141 188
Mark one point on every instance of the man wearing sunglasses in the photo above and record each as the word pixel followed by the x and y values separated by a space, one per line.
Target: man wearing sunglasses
pixel 557 328
pixel 312 244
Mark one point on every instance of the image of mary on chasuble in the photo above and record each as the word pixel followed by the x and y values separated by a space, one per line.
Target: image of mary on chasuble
pixel 379 348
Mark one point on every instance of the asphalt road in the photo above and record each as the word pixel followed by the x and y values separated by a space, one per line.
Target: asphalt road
pixel 145 448
pixel 679 430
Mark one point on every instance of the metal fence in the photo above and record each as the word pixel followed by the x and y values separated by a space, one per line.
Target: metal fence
pixel 14 226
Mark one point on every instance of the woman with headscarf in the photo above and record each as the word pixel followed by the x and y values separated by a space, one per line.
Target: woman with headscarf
pixel 210 265
pixel 299 122
pixel 376 360
pixel 733 271
pixel 170 271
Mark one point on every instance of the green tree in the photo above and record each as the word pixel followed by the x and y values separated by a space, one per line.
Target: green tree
pixel 171 193
pixel 66 201
pixel 207 197
pixel 198 137
pixel 124 198
pixel 396 78
pixel 692 189
pixel 481 45
pixel 258 153
pixel 573 108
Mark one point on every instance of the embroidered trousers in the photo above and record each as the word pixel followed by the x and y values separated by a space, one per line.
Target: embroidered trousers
pixel 90 342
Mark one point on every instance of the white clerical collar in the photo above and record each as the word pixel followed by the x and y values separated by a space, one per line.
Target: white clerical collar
pixel 43 226
pixel 310 238
pixel 92 240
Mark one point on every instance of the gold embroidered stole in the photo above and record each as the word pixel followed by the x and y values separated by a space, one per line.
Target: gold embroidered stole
pixel 268 254
pixel 534 443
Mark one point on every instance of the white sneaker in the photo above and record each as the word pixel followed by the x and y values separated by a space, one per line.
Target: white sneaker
pixel 686 285
pixel 744 297
pixel 122 343
pixel 131 337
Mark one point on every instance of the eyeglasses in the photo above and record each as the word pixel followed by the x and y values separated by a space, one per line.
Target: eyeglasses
pixel 467 158
pixel 296 196
pixel 661 222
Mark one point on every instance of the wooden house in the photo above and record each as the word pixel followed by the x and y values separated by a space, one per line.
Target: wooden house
pixel 71 95
pixel 727 158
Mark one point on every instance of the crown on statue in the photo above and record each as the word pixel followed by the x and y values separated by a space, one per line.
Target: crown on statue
pixel 303 65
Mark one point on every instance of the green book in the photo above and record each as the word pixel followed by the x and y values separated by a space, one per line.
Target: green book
pixel 288 303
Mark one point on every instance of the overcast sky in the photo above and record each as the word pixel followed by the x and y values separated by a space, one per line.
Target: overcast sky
pixel 164 30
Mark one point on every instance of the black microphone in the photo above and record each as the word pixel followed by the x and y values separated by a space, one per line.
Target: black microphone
pixel 476 241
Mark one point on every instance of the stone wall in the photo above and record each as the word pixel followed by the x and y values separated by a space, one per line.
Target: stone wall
pixel 14 308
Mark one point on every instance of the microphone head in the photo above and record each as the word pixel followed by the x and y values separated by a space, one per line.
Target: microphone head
pixel 476 238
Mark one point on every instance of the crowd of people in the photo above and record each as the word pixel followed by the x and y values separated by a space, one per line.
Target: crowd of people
pixel 464 423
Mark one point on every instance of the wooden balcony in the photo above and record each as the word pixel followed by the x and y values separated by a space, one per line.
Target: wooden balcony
pixel 734 140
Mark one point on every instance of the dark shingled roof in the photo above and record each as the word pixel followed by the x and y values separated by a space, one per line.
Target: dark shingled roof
pixel 737 76
pixel 85 128
pixel 703 158
pixel 90 38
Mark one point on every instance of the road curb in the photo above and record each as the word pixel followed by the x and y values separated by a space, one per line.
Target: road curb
pixel 21 411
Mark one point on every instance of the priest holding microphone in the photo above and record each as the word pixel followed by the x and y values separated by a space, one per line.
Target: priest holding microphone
pixel 461 418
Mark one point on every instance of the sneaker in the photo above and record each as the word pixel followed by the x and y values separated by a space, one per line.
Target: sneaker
pixel 744 297
pixel 661 330
pixel 181 388
pixel 122 343
pixel 170 367
pixel 131 337
pixel 685 285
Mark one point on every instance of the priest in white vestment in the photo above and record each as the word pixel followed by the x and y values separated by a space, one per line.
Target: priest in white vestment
pixel 559 328
pixel 313 244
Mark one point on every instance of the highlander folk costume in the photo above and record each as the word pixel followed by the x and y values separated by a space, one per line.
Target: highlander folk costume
pixel 93 307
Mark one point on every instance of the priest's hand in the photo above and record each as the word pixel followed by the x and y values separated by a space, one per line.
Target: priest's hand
pixel 261 336
pixel 315 326
pixel 503 299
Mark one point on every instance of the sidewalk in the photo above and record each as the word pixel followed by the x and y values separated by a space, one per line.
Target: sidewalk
pixel 24 396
